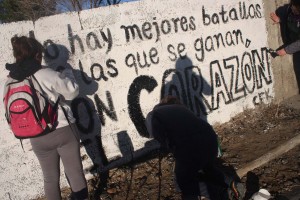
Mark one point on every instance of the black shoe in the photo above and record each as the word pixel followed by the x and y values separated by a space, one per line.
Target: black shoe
pixel 80 195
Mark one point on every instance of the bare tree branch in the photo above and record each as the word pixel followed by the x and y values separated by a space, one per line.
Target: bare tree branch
pixel 34 9
pixel 16 10
pixel 77 5
pixel 113 2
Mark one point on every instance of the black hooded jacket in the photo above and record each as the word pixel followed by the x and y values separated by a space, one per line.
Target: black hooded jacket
pixel 190 139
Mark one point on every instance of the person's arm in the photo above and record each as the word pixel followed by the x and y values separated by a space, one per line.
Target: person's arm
pixel 156 129
pixel 56 84
pixel 289 49
pixel 293 47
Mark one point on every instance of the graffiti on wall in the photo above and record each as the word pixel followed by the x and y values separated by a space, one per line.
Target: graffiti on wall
pixel 209 57
pixel 226 80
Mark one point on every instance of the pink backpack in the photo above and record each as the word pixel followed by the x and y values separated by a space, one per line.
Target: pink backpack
pixel 28 111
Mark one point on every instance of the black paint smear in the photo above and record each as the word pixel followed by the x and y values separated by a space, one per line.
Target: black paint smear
pixel 72 39
pixel 111 66
pixel 217 80
pixel 235 87
pixel 110 110
pixel 248 73
pixel 133 99
pixel 101 75
pixel 96 41
pixel 108 40
pixel 83 76
pixel 262 68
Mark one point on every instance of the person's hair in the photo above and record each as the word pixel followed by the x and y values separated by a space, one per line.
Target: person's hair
pixel 26 48
pixel 170 100
pixel 296 3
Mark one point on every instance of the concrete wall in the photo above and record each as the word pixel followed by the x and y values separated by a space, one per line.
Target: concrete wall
pixel 213 54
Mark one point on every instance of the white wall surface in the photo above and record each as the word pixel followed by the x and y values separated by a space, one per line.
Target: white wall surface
pixel 180 42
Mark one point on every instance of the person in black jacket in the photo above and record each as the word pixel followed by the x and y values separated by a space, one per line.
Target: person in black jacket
pixel 288 16
pixel 194 145
pixel 289 19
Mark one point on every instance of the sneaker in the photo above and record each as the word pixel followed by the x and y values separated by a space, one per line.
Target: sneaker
pixel 236 191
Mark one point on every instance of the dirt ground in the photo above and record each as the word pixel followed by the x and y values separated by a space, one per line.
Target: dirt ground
pixel 245 138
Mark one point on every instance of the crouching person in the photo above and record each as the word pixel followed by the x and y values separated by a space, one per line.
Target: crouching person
pixel 194 145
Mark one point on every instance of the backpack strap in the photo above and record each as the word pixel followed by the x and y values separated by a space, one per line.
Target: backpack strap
pixel 44 95
pixel 42 92
pixel 35 99
pixel 22 145
pixel 66 115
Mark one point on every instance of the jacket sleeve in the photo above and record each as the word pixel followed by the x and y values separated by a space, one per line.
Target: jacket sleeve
pixel 58 84
pixel 293 47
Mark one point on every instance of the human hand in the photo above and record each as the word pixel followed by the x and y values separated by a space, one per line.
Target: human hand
pixel 281 52
pixel 274 18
